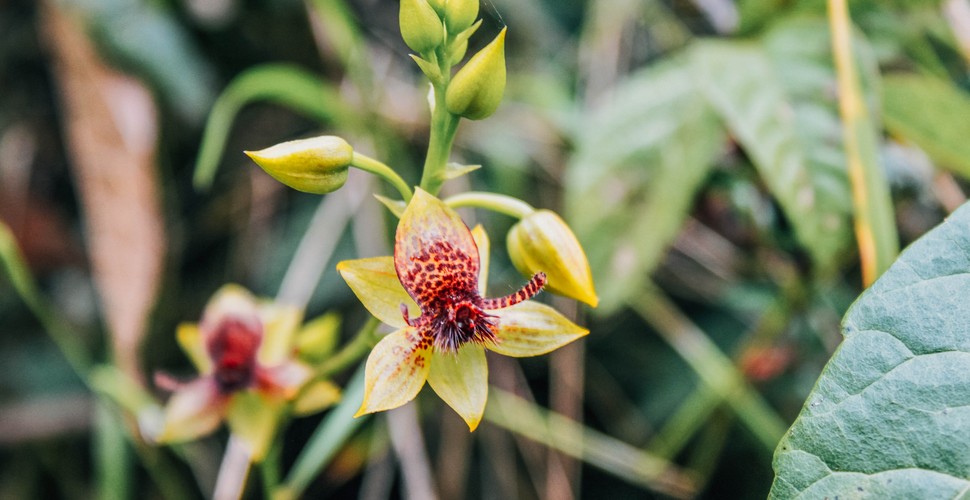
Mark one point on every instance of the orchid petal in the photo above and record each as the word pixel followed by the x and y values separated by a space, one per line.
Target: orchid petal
pixel 196 409
pixel 484 246
pixel 375 283
pixel 461 379
pixel 531 329
pixel 254 419
pixel 434 252
pixel 395 372
pixel 190 340
pixel 317 396
pixel 280 323
pixel 283 380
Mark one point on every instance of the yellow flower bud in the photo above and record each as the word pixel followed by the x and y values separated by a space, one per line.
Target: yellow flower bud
pixel 477 88
pixel 542 241
pixel 460 14
pixel 421 27
pixel 317 165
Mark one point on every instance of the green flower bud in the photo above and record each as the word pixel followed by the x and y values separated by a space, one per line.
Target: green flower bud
pixel 460 14
pixel 477 88
pixel 438 6
pixel 421 27
pixel 317 165
pixel 542 241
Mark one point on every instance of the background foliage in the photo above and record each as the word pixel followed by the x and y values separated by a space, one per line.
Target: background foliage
pixel 695 147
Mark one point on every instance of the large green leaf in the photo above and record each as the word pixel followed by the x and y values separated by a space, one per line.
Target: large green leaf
pixel 933 114
pixel 790 142
pixel 890 415
pixel 640 159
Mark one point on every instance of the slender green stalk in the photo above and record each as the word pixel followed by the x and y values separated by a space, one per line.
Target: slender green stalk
pixel 270 469
pixel 875 225
pixel 111 450
pixel 332 433
pixel 685 422
pixel 383 171
pixel 59 331
pixel 712 366
pixel 491 201
pixel 443 128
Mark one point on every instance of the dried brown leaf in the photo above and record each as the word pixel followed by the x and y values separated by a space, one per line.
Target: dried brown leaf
pixel 110 126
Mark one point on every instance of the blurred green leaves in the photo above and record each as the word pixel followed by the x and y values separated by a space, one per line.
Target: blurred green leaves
pixel 644 154
pixel 888 417
pixel 931 113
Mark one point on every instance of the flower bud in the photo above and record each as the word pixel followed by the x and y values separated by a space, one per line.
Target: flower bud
pixel 317 165
pixel 421 27
pixel 460 14
pixel 477 88
pixel 542 241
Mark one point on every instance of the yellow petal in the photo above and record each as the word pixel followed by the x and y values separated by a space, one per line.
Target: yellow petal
pixel 254 419
pixel 190 340
pixel 484 246
pixel 194 410
pixel 531 329
pixel 317 339
pixel 461 379
pixel 396 370
pixel 375 283
pixel 280 323
pixel 317 396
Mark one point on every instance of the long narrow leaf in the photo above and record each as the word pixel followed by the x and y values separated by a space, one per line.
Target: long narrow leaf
pixel 875 225
pixel 329 437
pixel 282 84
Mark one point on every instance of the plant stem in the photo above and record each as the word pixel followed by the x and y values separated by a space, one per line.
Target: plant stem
pixel 443 128
pixel 491 201
pixel 383 171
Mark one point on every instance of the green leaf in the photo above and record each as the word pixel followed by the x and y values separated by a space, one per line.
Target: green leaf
pixel 756 108
pixel 933 114
pixel 640 159
pixel 889 416
pixel 282 84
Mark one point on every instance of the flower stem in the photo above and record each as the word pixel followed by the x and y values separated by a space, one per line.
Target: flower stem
pixel 492 201
pixel 443 128
pixel 383 171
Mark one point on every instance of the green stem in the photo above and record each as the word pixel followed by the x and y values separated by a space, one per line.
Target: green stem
pixel 270 469
pixel 491 201
pixel 443 128
pixel 383 171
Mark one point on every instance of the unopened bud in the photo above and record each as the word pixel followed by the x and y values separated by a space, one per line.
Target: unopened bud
pixel 542 241
pixel 421 27
pixel 317 165
pixel 477 88
pixel 460 14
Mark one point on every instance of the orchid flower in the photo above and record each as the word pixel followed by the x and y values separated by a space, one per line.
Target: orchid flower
pixel 432 290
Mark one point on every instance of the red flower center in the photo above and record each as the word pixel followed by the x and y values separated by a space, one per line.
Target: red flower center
pixel 439 270
pixel 232 347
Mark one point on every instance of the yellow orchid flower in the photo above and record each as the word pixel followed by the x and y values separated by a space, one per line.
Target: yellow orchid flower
pixel 432 290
